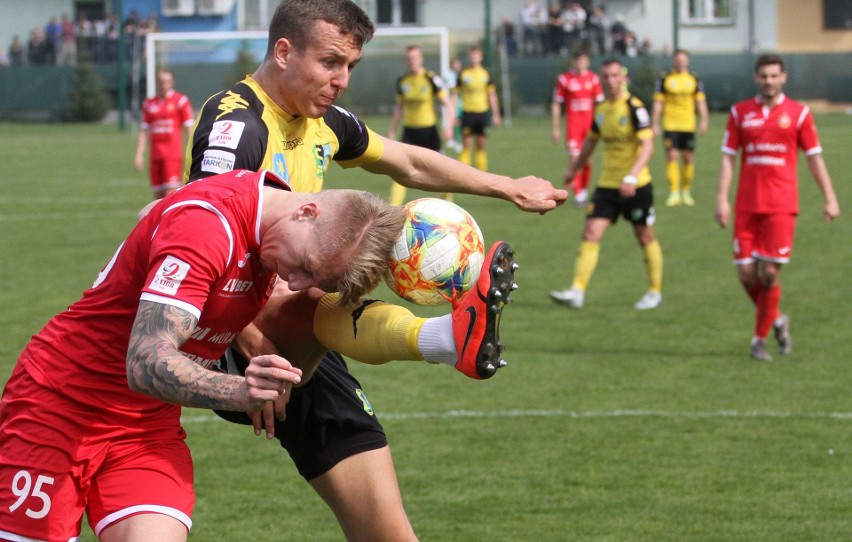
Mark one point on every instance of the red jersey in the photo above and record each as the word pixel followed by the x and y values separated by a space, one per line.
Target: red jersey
pixel 770 139
pixel 579 93
pixel 198 250
pixel 164 118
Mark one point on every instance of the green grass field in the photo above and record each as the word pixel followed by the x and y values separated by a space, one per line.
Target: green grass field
pixel 608 425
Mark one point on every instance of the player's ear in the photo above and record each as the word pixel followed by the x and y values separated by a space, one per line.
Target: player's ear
pixel 282 51
pixel 307 211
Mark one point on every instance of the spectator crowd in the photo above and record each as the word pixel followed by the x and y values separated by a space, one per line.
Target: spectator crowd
pixel 564 28
pixel 63 41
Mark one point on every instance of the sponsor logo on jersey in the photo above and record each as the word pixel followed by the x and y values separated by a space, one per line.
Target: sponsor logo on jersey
pixel 322 154
pixel 230 103
pixel 237 285
pixel 216 161
pixel 226 133
pixel 293 143
pixel 170 275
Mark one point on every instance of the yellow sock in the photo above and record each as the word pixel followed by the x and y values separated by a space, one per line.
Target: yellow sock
pixel 464 156
pixel 673 174
pixel 654 265
pixel 688 175
pixel 481 160
pixel 373 332
pixel 584 266
pixel 448 196
pixel 397 194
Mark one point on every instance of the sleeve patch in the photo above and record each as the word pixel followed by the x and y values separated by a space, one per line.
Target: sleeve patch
pixel 217 161
pixel 226 133
pixel 169 276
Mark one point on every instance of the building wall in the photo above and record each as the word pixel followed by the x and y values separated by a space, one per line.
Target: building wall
pixel 801 30
pixel 20 21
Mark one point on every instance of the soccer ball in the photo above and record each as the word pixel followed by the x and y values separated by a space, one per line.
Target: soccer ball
pixel 438 254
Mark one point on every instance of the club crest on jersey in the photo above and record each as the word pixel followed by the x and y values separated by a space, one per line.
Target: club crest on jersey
pixel 368 408
pixel 169 276
pixel 784 121
pixel 322 154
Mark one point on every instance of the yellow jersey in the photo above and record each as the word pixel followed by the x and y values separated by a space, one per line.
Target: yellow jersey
pixel 242 128
pixel 679 93
pixel 621 126
pixel 474 86
pixel 417 94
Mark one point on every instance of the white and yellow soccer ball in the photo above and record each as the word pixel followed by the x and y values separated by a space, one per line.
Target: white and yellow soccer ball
pixel 438 255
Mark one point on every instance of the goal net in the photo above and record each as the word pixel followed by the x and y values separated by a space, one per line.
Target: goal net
pixel 206 62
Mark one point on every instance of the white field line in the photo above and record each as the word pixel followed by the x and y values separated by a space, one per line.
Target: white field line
pixel 204 418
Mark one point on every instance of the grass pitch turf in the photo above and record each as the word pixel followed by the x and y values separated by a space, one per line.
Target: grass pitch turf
pixel 608 425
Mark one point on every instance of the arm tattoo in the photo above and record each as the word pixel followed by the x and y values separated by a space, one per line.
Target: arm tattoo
pixel 157 368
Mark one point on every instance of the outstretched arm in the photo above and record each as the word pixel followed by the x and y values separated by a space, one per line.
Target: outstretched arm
pixel 816 165
pixel 156 367
pixel 416 167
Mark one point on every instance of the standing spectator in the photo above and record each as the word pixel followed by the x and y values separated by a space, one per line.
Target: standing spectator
pixel 554 29
pixel 679 94
pixel 533 17
pixel 417 92
pixel 577 90
pixel 573 24
pixel 624 187
pixel 4 58
pixel 598 25
pixel 618 32
pixel 16 51
pixel 166 120
pixel 53 35
pixel 38 49
pixel 506 36
pixel 769 130
pixel 478 94
pixel 68 44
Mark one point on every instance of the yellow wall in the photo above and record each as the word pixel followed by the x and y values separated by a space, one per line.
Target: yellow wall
pixel 800 29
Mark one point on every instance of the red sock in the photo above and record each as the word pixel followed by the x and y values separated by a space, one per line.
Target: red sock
pixel 767 309
pixel 754 292
pixel 581 179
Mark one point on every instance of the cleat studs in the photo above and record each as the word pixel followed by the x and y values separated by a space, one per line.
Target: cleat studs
pixel 490 368
pixel 498 270
pixel 498 294
pixel 495 309
pixel 509 300
pixel 515 266
pixel 502 363
pixel 514 286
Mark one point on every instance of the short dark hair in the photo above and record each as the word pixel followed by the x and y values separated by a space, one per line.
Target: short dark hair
pixel 680 51
pixel 295 19
pixel 610 61
pixel 768 60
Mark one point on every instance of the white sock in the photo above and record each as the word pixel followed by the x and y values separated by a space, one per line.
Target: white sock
pixel 436 341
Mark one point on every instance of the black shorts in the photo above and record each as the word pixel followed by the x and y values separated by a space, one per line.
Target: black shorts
pixel 422 137
pixel 474 123
pixel 684 141
pixel 608 203
pixel 328 419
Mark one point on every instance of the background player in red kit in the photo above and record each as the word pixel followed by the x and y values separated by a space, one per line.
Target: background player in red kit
pixel 578 89
pixel 90 418
pixel 769 129
pixel 167 120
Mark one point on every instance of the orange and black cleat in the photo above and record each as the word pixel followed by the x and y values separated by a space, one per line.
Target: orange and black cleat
pixel 476 315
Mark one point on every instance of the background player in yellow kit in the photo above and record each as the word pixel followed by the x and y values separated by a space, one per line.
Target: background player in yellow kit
pixel 477 92
pixel 677 97
pixel 417 90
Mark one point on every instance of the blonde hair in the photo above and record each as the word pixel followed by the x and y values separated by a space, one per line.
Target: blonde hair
pixel 366 222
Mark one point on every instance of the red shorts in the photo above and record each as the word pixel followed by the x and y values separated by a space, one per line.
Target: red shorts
pixel 166 173
pixel 574 140
pixel 55 464
pixel 767 237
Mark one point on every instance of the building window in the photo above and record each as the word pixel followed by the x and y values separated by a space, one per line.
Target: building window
pixel 396 12
pixel 707 12
pixel 837 14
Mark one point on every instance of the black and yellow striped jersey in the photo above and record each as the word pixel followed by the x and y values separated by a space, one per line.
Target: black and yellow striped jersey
pixel 242 128
pixel 621 125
